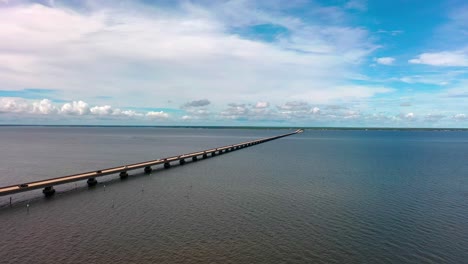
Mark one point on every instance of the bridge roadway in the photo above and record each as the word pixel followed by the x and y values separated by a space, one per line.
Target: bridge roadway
pixel 91 175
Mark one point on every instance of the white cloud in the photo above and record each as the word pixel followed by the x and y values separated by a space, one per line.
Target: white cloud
pixel 460 117
pixel 75 108
pixel 47 107
pixel 14 105
pixel 102 110
pixel 352 114
pixel 44 106
pixel 315 110
pixel 409 116
pixel 260 105
pixel 443 58
pixel 359 5
pixel 127 113
pixel 385 60
pixel 107 110
pixel 117 51
pixel 442 80
pixel 157 115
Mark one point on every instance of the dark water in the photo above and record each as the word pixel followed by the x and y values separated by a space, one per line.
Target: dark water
pixel 318 197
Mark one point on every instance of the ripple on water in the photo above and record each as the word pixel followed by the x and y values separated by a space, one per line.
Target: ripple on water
pixel 320 197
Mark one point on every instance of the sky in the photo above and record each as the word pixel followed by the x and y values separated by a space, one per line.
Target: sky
pixel 336 63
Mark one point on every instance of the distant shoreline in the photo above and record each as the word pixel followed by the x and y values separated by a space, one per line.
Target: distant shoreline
pixel 256 127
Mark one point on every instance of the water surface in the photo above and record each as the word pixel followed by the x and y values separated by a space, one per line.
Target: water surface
pixel 317 197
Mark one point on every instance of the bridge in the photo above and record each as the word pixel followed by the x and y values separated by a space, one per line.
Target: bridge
pixel 91 176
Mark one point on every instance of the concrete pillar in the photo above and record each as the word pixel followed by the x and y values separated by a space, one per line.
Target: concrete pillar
pixel 205 155
pixel 48 191
pixel 194 158
pixel 123 175
pixel 148 169
pixel 213 153
pixel 167 165
pixel 91 182
pixel 182 161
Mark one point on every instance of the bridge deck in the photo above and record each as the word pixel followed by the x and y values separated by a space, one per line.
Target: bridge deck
pixel 17 188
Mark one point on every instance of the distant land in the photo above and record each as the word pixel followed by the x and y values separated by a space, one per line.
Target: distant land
pixel 260 127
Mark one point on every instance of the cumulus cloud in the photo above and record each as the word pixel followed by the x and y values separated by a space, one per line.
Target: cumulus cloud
pixel 197 103
pixel 460 117
pixel 127 113
pixel 409 116
pixel 107 110
pixel 75 108
pixel 261 105
pixel 315 110
pixel 47 107
pixel 14 105
pixel 235 111
pixel 385 60
pixel 443 58
pixel 157 115
pixel 102 110
pixel 44 106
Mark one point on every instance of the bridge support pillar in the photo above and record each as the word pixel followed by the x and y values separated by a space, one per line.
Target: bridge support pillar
pixel 123 175
pixel 148 169
pixel 205 155
pixel 91 182
pixel 167 165
pixel 194 158
pixel 182 161
pixel 213 153
pixel 48 191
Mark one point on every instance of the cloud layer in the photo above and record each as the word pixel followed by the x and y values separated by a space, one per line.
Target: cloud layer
pixel 228 62
pixel 132 52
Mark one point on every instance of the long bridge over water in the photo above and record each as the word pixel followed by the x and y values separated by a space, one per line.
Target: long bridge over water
pixel 123 170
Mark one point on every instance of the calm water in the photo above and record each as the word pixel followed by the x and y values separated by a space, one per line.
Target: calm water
pixel 317 197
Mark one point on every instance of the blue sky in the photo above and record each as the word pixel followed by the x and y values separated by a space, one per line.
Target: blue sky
pixel 261 63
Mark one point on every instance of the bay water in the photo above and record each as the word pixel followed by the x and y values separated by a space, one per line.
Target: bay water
pixel 316 197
